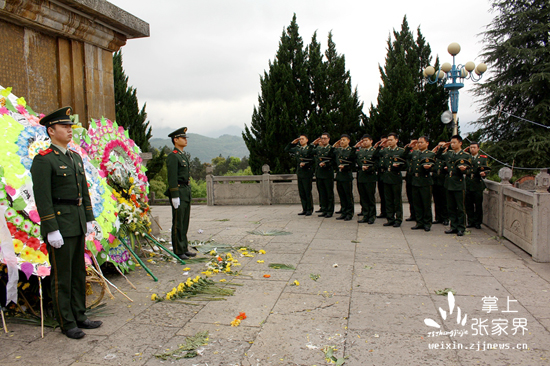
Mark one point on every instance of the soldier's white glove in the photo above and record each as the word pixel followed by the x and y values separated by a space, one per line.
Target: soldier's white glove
pixel 176 202
pixel 55 239
pixel 89 227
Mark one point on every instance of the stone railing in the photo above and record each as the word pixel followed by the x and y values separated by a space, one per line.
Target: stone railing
pixel 518 215
pixel 265 189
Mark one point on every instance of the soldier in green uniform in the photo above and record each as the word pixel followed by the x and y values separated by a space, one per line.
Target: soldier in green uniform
pixel 409 186
pixel 304 170
pixel 458 166
pixel 381 193
pixel 367 177
pixel 439 174
pixel 345 160
pixel 66 216
pixel 421 163
pixel 475 186
pixel 393 162
pixel 179 192
pixel 324 174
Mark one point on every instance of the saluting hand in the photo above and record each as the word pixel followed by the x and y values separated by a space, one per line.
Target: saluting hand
pixel 316 141
pixel 295 141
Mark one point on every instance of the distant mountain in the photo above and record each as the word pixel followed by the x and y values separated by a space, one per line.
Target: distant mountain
pixel 207 148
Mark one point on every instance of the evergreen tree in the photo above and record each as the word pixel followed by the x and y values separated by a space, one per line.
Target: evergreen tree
pixel 406 104
pixel 282 105
pixel 517 51
pixel 127 109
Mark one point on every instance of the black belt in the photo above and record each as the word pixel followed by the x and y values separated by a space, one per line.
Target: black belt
pixel 68 201
pixel 183 182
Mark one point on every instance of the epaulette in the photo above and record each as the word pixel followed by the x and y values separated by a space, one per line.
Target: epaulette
pixel 483 156
pixel 45 152
pixel 175 151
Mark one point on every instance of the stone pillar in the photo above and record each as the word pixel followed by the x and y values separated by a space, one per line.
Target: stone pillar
pixel 505 174
pixel 209 186
pixel 266 185
pixel 542 181
pixel 541 210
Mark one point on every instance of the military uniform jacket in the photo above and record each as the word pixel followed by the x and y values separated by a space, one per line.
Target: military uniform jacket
pixel 439 173
pixel 177 165
pixel 474 181
pixel 391 174
pixel 303 154
pixel 344 156
pixel 369 158
pixel 456 180
pixel 324 155
pixel 57 176
pixel 421 176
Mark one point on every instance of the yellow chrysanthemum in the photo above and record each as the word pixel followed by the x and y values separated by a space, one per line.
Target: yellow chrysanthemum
pixel 154 297
pixel 260 261
pixel 223 280
pixel 17 245
pixel 212 252
pixel 296 283
pixel 261 251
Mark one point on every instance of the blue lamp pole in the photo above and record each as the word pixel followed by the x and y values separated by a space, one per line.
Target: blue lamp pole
pixel 452 77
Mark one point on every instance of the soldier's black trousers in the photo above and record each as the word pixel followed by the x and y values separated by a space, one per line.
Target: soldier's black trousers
pixel 394 202
pixel 455 206
pixel 422 202
pixel 180 221
pixel 325 187
pixel 382 197
pixel 345 192
pixel 366 198
pixel 440 202
pixel 305 185
pixel 409 189
pixel 474 207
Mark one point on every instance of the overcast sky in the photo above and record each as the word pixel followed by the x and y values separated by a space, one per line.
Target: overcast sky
pixel 202 63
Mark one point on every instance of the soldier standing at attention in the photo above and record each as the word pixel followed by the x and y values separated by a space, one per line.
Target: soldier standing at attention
pixel 421 166
pixel 367 176
pixel 475 186
pixel 324 174
pixel 409 186
pixel 439 174
pixel 380 168
pixel 458 166
pixel 304 170
pixel 345 160
pixel 179 193
pixel 66 217
pixel 393 163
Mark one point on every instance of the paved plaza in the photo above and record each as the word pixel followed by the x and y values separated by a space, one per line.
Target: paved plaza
pixel 376 287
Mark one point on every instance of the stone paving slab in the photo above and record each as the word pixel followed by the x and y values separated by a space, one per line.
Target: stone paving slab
pixel 372 307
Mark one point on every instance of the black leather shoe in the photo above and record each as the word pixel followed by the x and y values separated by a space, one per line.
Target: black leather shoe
pixel 348 218
pixel 470 226
pixel 322 215
pixel 460 233
pixel 182 256
pixel 427 228
pixel 363 220
pixel 89 324
pixel 478 226
pixel 436 222
pixel 74 333
pixel 308 213
pixel 397 224
pixel 338 212
pixel 389 223
pixel 417 227
pixel 445 222
pixel 451 231
pixel 319 210
pixel 381 216
pixel 370 222
pixel 360 214
pixel 341 217
pixel 302 213
pixel 328 215
pixel 410 219
pixel 190 254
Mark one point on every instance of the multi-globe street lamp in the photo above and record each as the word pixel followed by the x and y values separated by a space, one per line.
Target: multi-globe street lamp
pixel 452 77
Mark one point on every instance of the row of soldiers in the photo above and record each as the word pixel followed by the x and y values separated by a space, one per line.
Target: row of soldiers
pixel 451 175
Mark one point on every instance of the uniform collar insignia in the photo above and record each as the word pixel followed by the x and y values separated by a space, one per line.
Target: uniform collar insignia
pixel 63 167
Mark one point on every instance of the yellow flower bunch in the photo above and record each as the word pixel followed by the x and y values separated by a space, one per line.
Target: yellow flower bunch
pixel 154 297
pixel 261 251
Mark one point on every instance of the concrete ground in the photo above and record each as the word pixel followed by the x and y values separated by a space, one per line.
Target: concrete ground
pixel 376 288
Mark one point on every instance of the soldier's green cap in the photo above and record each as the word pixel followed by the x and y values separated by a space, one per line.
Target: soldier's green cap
pixel 61 116
pixel 180 132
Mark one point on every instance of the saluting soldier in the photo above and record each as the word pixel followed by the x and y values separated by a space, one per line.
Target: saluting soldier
pixel 367 177
pixel 409 186
pixel 475 186
pixel 383 213
pixel 458 166
pixel 422 161
pixel 66 216
pixel 393 162
pixel 439 192
pixel 303 152
pixel 345 160
pixel 179 192
pixel 324 174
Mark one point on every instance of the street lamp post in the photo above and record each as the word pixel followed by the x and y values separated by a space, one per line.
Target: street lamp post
pixel 452 77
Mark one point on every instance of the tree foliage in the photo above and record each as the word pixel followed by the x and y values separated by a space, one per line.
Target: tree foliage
pixel 127 109
pixel 300 93
pixel 517 51
pixel 406 103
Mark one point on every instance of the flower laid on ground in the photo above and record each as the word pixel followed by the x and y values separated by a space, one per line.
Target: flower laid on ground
pixel 195 287
pixel 237 321
pixel 221 263
pixel 261 251
pixel 260 261
pixel 223 280
pixel 267 275
pixel 295 283
pixel 154 297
